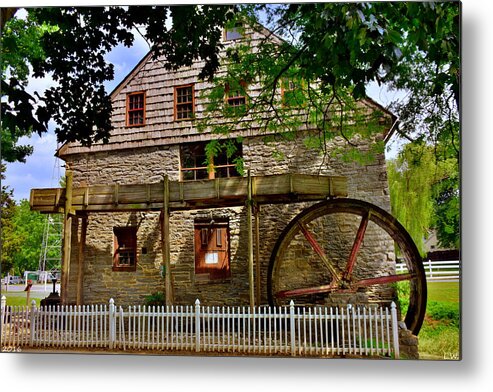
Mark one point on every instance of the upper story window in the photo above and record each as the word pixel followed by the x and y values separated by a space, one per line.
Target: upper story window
pixel 292 92
pixel 125 248
pixel 235 32
pixel 184 102
pixel 236 94
pixel 136 109
pixel 195 165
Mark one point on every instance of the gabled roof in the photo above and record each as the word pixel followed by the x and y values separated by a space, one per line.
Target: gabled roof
pixel 131 74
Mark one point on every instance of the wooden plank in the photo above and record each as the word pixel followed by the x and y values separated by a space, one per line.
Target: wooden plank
pixel 166 246
pixel 339 186
pixel 272 185
pixel 233 187
pixel 249 201
pixel 257 251
pixel 80 261
pixel 67 236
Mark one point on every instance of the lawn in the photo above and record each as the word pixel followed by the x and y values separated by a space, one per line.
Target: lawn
pixel 439 337
pixel 443 291
pixel 18 298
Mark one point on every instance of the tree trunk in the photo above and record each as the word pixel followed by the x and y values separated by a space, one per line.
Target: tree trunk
pixel 7 13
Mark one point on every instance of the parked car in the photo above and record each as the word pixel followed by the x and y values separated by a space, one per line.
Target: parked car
pixel 15 280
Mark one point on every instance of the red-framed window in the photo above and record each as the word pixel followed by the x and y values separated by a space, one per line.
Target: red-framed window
pixel 184 102
pixel 292 92
pixel 236 96
pixel 125 248
pixel 136 109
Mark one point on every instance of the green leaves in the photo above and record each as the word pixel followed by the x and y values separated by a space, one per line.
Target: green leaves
pixel 20 43
pixel 424 191
pixel 22 235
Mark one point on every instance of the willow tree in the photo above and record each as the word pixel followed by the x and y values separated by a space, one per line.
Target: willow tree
pixel 424 194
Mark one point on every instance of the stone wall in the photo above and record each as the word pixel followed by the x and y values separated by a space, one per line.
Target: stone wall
pixel 408 343
pixel 148 165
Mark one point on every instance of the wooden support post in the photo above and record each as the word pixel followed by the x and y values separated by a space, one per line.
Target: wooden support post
pixel 67 236
pixel 80 261
pixel 251 284
pixel 168 283
pixel 257 254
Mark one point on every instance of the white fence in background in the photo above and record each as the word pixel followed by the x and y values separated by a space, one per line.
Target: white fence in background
pixel 438 271
pixel 288 330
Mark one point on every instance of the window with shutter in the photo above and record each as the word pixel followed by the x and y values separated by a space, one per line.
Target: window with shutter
pixel 212 250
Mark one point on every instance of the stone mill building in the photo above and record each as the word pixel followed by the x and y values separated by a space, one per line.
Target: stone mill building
pixel 119 254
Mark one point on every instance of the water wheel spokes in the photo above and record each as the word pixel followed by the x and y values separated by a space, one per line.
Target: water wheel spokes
pixel 343 247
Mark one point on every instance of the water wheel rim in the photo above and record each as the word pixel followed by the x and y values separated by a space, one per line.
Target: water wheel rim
pixel 418 292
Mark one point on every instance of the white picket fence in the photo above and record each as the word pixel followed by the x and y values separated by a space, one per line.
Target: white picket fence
pixel 437 271
pixel 288 330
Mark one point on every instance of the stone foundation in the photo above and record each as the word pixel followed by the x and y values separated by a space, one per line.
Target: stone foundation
pixel 408 343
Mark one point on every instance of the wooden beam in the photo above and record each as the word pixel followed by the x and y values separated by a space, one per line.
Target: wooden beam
pixel 257 254
pixel 166 248
pixel 220 192
pixel 81 260
pixel 251 284
pixel 67 236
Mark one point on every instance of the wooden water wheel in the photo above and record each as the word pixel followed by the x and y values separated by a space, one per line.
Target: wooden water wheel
pixel 346 248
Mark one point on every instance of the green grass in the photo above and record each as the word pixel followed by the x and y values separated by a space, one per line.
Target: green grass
pixel 439 340
pixel 439 337
pixel 443 291
pixel 15 299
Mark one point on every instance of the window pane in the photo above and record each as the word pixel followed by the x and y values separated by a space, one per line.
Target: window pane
pixel 221 159
pixel 239 101
pixel 188 175
pixel 219 237
pixel 204 237
pixel 211 258
pixel 136 101
pixel 222 172
pixel 201 174
pixel 184 111
pixel 125 246
pixel 136 118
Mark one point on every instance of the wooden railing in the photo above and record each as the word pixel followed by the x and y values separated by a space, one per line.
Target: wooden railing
pixel 286 330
